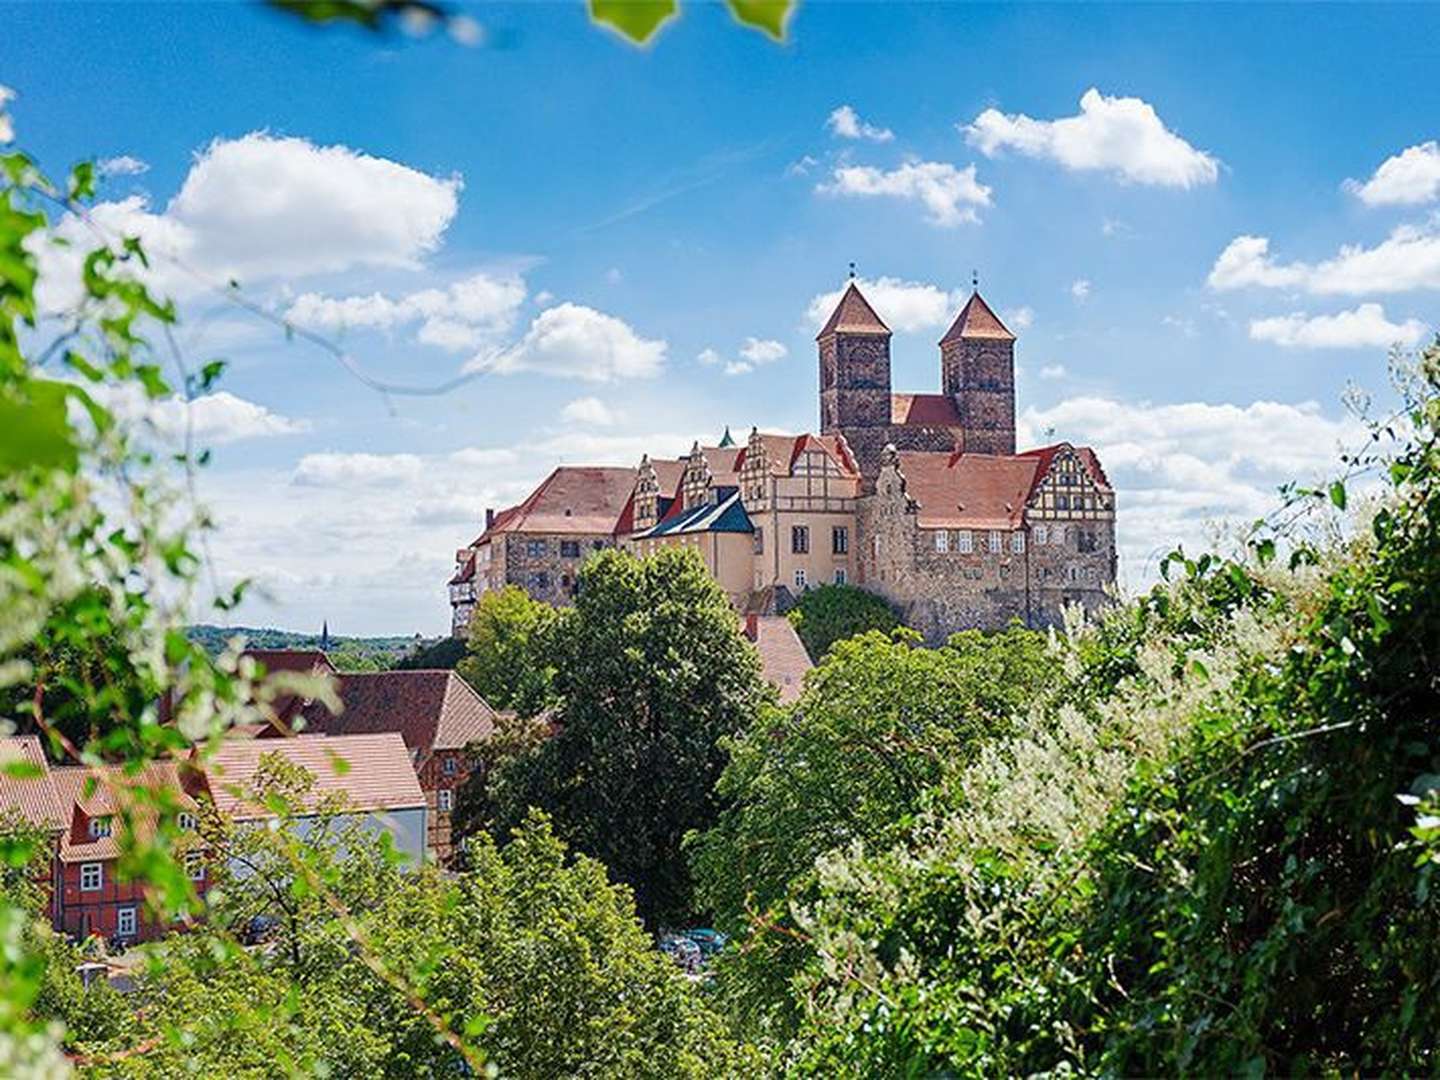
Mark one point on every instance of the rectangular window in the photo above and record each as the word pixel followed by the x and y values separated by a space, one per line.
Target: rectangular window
pixel 535 549
pixel 758 542
pixel 997 541
pixel 800 581
pixel 569 549
pixel 965 542
pixel 800 539
pixel 1088 541
pixel 444 800
pixel 99 826
pixel 92 876
pixel 942 540
pixel 840 540
pixel 195 863
pixel 1062 502
pixel 125 922
pixel 1017 542
pixel 875 544
pixel 1041 534
pixel 839 575
pixel 449 765
pixel 186 821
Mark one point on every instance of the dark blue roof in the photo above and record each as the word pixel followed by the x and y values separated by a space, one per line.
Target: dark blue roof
pixel 728 515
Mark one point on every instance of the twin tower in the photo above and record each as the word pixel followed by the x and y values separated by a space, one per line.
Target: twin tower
pixel 975 411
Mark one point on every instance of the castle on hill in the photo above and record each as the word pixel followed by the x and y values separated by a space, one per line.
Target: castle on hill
pixel 920 498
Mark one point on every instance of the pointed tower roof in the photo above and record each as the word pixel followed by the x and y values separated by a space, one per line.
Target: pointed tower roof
pixel 853 315
pixel 726 440
pixel 976 320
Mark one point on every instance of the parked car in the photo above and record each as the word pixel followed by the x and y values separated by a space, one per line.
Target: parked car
pixel 683 951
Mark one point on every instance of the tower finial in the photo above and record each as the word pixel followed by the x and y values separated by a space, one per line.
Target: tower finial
pixel 852 271
pixel 975 280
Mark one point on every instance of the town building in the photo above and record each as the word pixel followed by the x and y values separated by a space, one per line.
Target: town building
pixel 921 498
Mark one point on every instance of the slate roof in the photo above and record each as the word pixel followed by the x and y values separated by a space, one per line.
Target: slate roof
pixel 968 491
pixel 432 709
pixel 728 515
pixel 376 773
pixel 853 315
pixel 34 798
pixel 976 320
pixel 783 658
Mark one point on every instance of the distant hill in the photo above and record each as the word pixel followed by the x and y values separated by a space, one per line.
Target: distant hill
pixel 346 653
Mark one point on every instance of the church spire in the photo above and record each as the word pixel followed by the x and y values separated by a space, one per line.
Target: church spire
pixel 726 441
pixel 976 320
pixel 853 315
pixel 325 635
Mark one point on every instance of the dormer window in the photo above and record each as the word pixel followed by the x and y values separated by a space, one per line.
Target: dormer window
pixel 99 827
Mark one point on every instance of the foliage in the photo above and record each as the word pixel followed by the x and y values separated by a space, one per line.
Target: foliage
pixel 511 661
pixel 445 652
pixel 831 613
pixel 651 673
pixel 383 652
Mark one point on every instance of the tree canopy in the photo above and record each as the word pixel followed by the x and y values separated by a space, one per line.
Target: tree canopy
pixel 831 613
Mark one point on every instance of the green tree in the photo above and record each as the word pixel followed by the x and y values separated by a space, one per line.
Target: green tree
pixel 651 673
pixel 511 651
pixel 831 613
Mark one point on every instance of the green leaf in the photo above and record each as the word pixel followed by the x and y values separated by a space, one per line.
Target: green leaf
pixel 637 20
pixel 37 430
pixel 769 16
pixel 1337 493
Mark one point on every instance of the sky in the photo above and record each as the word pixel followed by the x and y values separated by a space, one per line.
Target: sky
pixel 1203 224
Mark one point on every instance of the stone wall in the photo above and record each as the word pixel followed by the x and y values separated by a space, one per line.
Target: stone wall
pixel 980 375
pixel 545 572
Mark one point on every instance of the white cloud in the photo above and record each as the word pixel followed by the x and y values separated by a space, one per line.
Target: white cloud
pixel 544 298
pixel 1118 135
pixel 260 207
pixel 1053 371
pixel 212 420
pixel 709 357
pixel 1409 258
pixel 801 166
pixel 589 410
pixel 754 352
pixel 949 195
pixel 460 316
pixel 362 470
pixel 571 340
pixel 906 306
pixel 7 126
pixel 845 123
pixel 123 165
pixel 1018 318
pixel 1080 289
pixel 1185 325
pixel 1178 468
pixel 1408 178
pixel 1364 327
pixel 1114 227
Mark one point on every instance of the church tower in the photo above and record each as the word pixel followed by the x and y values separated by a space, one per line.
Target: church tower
pixel 854 366
pixel 977 372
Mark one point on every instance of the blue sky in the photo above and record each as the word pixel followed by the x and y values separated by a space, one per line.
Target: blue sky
pixel 631 242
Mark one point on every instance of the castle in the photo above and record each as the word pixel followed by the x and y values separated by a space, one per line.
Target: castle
pixel 920 498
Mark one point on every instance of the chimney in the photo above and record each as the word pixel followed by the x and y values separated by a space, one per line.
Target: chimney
pixel 489 517
pixel 752 626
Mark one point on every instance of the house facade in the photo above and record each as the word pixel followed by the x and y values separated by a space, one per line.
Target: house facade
pixel 921 498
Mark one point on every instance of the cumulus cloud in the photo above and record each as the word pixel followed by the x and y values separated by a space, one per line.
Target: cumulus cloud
pixel 571 340
pixel 459 317
pixel 1408 178
pixel 123 165
pixel 754 353
pixel 906 306
pixel 1018 318
pixel 949 195
pixel 589 410
pixel 1409 258
pixel 1118 135
pixel 260 207
pixel 211 420
pixel 1364 327
pixel 709 357
pixel 1080 289
pixel 845 123
pixel 356 470
pixel 1179 468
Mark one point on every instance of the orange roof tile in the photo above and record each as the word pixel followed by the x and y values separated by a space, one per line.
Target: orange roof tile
pixel 109 792
pixel 376 773
pixel 924 410
pixel 33 798
pixel 968 491
pixel 572 499
pixel 853 315
pixel 976 320
pixel 783 658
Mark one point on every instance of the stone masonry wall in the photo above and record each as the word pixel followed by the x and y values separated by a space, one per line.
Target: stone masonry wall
pixel 545 572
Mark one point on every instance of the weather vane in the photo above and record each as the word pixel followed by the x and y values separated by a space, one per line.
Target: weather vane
pixel 975 280
pixel 852 271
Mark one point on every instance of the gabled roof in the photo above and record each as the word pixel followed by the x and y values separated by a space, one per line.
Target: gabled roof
pixel 728 515
pixel 1045 456
pixel 572 499
pixel 104 799
pixel 976 320
pixel 968 491
pixel 310 662
pixel 33 798
pixel 782 451
pixel 853 315
pixel 924 410
pixel 783 659
pixel 374 772
pixel 465 572
pixel 431 709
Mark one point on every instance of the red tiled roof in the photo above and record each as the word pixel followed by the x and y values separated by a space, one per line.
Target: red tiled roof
pixel 781 452
pixel 431 709
pixel 466 572
pixel 35 798
pixel 976 320
pixel 373 771
pixel 106 795
pixel 853 315
pixel 572 499
pixel 968 491
pixel 311 662
pixel 924 410
pixel 783 658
